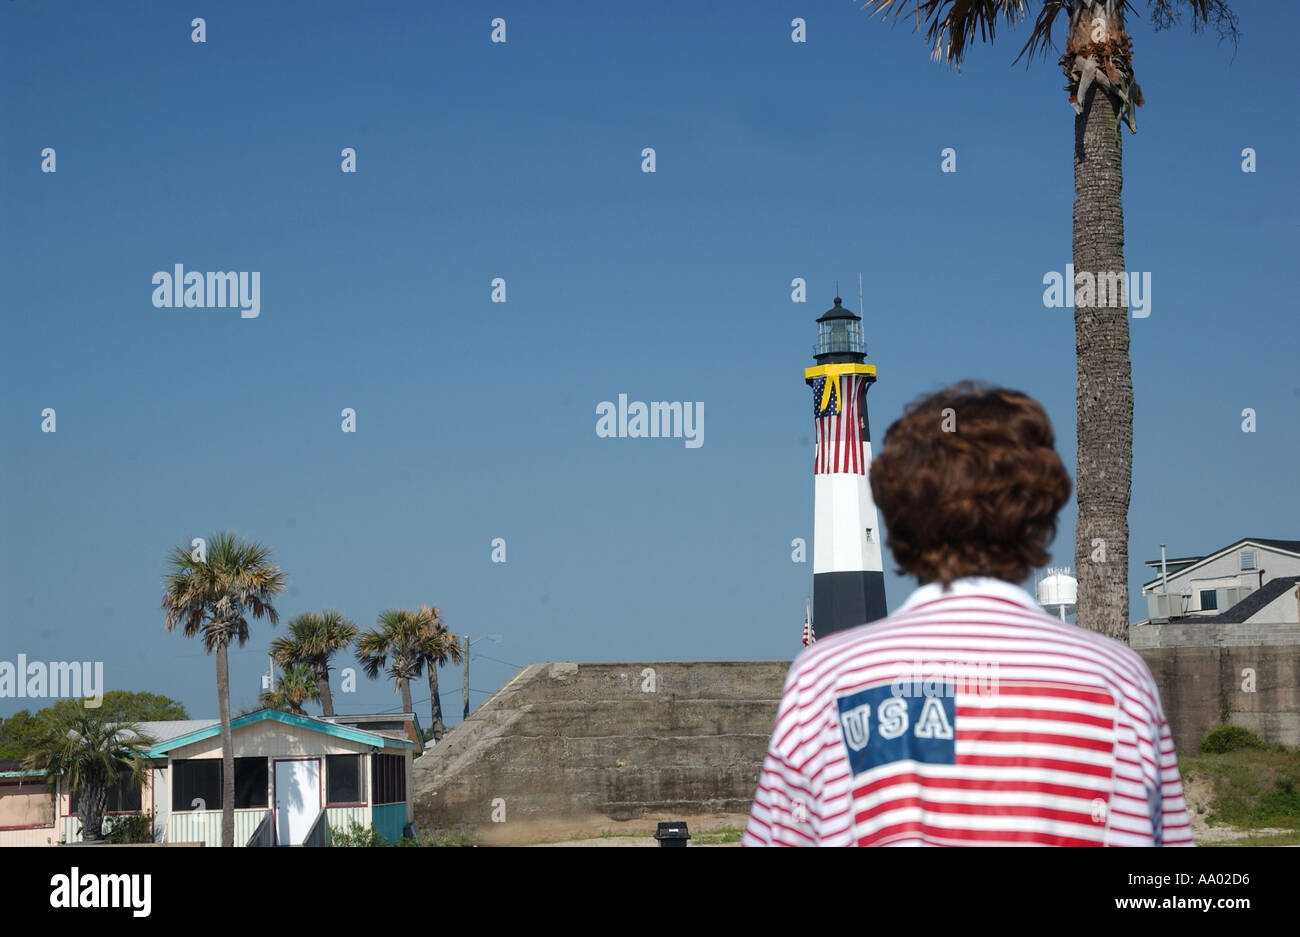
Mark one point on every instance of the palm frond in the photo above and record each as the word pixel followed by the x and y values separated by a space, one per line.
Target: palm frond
pixel 215 596
pixel 952 25
pixel 296 686
pixel 437 644
pixel 1166 13
pixel 87 744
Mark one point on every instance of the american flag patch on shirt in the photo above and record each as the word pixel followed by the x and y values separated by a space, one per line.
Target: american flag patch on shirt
pixel 969 717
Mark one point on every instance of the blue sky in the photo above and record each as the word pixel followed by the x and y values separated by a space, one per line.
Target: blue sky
pixel 476 420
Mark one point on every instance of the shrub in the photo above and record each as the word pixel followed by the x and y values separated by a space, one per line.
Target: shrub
pixel 1230 739
pixel 137 828
pixel 356 834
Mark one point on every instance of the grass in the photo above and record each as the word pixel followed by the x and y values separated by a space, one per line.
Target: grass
pixel 717 836
pixel 358 834
pixel 1252 788
pixel 440 837
pixel 1281 839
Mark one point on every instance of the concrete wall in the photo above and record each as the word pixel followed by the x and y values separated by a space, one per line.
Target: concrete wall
pixel 1193 633
pixel 1257 684
pixel 565 744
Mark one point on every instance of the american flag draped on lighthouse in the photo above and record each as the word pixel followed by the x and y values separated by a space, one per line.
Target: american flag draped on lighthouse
pixel 839 424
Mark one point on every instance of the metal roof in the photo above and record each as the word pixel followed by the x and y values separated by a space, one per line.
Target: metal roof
pixel 174 728
pixel 1289 546
pixel 838 312
pixel 310 723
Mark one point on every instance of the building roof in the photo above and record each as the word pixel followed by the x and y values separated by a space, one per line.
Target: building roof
pixel 13 768
pixel 1182 560
pixel 174 728
pixel 1287 546
pixel 160 749
pixel 1291 546
pixel 1253 603
pixel 838 312
pixel 395 725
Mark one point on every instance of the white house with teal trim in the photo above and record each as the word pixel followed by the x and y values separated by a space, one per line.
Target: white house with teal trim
pixel 295 776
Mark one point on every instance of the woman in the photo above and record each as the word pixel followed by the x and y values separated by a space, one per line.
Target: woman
pixel 969 716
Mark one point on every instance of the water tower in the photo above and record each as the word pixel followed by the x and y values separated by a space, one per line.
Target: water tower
pixel 1058 590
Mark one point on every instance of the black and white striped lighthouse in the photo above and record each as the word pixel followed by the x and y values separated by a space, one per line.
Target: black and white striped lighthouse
pixel 848 576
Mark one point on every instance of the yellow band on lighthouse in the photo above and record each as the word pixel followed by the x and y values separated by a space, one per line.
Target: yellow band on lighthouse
pixel 834 371
pixel 828 370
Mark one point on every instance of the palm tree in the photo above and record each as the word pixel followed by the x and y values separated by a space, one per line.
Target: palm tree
pixel 1098 65
pixel 438 647
pixel 396 643
pixel 93 753
pixel 213 597
pixel 313 638
pixel 297 685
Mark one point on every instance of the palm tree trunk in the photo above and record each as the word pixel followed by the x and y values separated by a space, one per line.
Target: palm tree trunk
pixel 94 797
pixel 435 702
pixel 227 749
pixel 1104 392
pixel 323 685
pixel 404 685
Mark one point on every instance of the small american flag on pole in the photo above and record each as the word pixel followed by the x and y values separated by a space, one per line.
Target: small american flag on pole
pixel 809 636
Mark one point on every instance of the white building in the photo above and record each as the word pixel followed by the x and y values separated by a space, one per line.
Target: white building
pixel 298 779
pixel 1254 581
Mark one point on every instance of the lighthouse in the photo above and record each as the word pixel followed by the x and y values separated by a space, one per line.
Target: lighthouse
pixel 848 576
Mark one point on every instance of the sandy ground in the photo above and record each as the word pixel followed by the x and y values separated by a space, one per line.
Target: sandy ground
pixel 638 841
pixel 640 833
pixel 634 833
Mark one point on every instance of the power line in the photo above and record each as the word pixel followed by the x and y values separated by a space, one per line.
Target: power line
pixel 421 702
pixel 498 660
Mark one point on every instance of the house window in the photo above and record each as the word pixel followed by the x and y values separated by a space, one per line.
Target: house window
pixel 200 778
pixel 250 782
pixel 388 778
pixel 196 779
pixel 1209 599
pixel 1247 559
pixel 343 779
pixel 26 805
pixel 123 796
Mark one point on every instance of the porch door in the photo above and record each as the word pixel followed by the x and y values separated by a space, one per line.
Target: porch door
pixel 162 805
pixel 297 800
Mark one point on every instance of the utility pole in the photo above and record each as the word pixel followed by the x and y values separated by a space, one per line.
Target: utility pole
pixel 464 687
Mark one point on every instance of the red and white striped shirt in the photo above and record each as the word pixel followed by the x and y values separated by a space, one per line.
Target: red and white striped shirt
pixel 969 717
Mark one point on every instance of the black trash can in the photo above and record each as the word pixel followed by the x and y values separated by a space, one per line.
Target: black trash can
pixel 672 834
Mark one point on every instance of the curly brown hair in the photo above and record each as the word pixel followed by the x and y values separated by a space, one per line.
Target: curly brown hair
pixel 969 483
